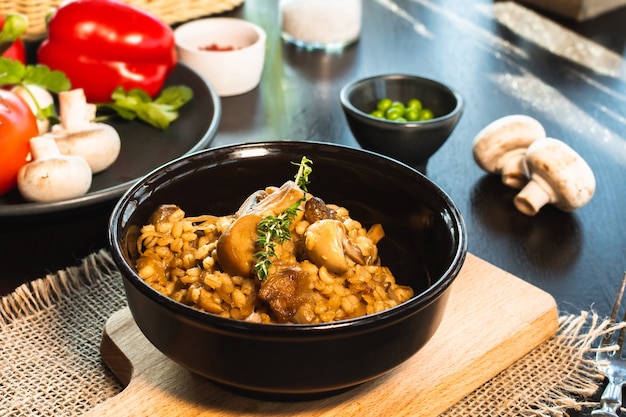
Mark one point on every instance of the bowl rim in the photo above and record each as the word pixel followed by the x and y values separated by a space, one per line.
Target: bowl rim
pixel 194 26
pixel 254 149
pixel 352 85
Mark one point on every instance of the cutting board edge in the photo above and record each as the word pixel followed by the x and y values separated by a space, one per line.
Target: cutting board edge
pixel 448 389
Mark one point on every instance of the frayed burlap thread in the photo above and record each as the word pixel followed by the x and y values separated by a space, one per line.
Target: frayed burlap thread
pixel 552 380
pixel 50 332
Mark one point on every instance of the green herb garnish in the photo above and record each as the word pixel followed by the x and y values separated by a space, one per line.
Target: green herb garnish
pixel 136 103
pixel 15 25
pixel 13 72
pixel 276 229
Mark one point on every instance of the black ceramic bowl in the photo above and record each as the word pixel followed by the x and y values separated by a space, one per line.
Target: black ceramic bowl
pixel 425 246
pixel 410 142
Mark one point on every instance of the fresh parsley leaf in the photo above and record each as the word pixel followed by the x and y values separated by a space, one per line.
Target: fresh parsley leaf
pixel 13 72
pixel 160 112
pixel 175 96
pixel 121 111
pixel 43 76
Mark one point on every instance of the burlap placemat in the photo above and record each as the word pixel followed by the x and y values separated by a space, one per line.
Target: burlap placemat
pixel 50 365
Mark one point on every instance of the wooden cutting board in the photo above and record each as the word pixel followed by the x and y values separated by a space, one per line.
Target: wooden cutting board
pixel 493 318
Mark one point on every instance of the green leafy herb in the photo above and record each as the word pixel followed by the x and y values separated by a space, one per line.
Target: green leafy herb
pixel 136 103
pixel 276 229
pixel 15 25
pixel 304 170
pixel 13 72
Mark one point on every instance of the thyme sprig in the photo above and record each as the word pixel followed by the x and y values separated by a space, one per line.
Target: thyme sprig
pixel 302 177
pixel 273 230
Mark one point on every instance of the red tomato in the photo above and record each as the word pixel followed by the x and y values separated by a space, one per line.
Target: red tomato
pixel 16 51
pixel 17 126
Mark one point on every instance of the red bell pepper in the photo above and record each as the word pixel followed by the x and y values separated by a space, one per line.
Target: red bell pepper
pixel 11 46
pixel 104 44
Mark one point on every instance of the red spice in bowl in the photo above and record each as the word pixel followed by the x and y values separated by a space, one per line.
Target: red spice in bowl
pixel 217 48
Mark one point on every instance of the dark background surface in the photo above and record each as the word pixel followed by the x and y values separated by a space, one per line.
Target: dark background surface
pixel 504 58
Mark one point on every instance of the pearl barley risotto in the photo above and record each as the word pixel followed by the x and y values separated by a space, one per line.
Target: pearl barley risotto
pixel 285 256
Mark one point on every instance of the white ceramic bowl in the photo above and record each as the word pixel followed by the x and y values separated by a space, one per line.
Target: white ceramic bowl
pixel 233 71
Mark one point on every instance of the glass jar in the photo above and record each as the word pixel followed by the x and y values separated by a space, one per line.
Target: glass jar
pixel 320 24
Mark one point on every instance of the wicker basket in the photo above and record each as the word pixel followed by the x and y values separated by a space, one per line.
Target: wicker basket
pixel 170 11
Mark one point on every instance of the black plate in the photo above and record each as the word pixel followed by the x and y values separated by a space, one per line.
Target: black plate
pixel 144 148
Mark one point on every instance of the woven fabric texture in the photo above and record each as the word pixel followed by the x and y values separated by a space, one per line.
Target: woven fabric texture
pixel 50 331
pixel 169 11
pixel 49 338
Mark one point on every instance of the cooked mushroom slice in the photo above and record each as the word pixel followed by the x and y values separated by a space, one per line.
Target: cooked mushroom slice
pixel 162 213
pixel 278 201
pixel 315 209
pixel 285 290
pixel 237 245
pixel 499 148
pixel 326 244
pixel 376 233
pixel 248 205
pixel 558 175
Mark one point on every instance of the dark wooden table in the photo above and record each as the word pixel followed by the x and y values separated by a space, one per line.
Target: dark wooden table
pixel 504 58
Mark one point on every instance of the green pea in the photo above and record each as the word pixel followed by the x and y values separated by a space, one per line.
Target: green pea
pixel 383 104
pixel 378 114
pixel 412 114
pixel 426 114
pixel 414 103
pixel 393 113
pixel 398 105
pixel 400 120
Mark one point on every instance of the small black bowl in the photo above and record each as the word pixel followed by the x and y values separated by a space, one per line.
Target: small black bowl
pixel 425 246
pixel 410 142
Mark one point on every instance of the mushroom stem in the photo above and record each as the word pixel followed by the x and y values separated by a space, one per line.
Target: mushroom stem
pixel 512 168
pixel 75 112
pixel 532 197
pixel 558 175
pixel 98 143
pixel 43 147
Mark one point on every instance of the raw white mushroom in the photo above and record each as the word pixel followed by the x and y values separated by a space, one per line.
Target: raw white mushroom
pixel 37 98
pixel 98 143
pixel 52 176
pixel 499 148
pixel 558 175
